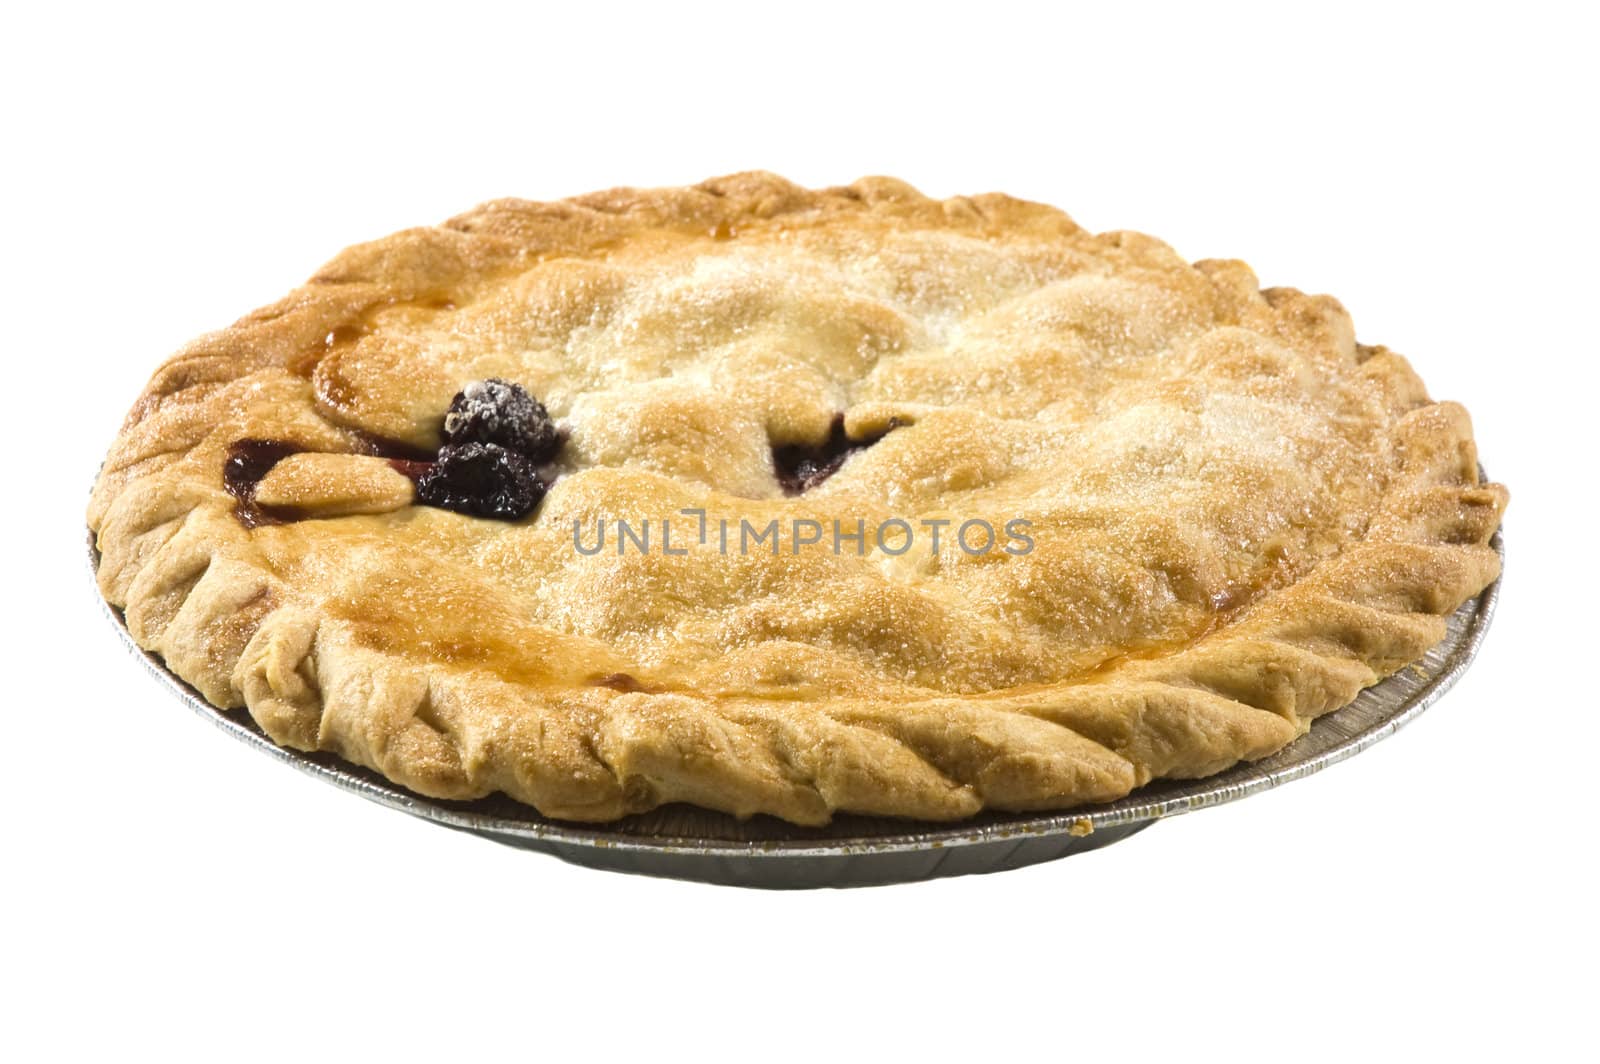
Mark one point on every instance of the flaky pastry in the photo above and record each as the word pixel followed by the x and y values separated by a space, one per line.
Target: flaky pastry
pixel 385 514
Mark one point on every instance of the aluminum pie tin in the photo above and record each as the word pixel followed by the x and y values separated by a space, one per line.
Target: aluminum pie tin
pixel 684 842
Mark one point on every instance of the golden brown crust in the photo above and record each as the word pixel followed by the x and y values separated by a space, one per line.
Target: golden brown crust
pixel 1240 516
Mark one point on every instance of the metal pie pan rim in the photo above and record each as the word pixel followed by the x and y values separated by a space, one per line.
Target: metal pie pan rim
pixel 1240 781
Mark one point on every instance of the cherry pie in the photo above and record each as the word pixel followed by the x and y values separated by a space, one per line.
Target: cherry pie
pixel 790 502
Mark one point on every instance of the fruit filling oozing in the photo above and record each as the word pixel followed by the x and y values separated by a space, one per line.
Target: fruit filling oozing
pixel 498 442
pixel 800 467
pixel 247 463
pixel 496 439
pixel 483 480
pixel 499 412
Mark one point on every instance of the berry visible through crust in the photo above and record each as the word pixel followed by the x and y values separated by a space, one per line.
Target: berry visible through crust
pixel 483 480
pixel 498 411
pixel 800 468
pixel 247 463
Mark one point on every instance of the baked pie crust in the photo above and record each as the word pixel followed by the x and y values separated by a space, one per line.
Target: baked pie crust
pixel 1239 516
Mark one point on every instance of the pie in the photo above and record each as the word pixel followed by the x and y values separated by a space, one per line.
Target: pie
pixel 631 499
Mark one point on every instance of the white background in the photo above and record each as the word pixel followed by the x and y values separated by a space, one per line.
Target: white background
pixel 165 887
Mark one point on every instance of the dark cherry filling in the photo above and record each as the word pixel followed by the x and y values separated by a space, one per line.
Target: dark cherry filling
pixel 484 480
pixel 409 461
pixel 801 468
pixel 498 442
pixel 411 469
pixel 247 462
pixel 501 412
pixel 494 462
pixel 394 450
pixel 496 436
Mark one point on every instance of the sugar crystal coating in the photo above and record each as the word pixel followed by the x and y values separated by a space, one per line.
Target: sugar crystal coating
pixel 501 412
